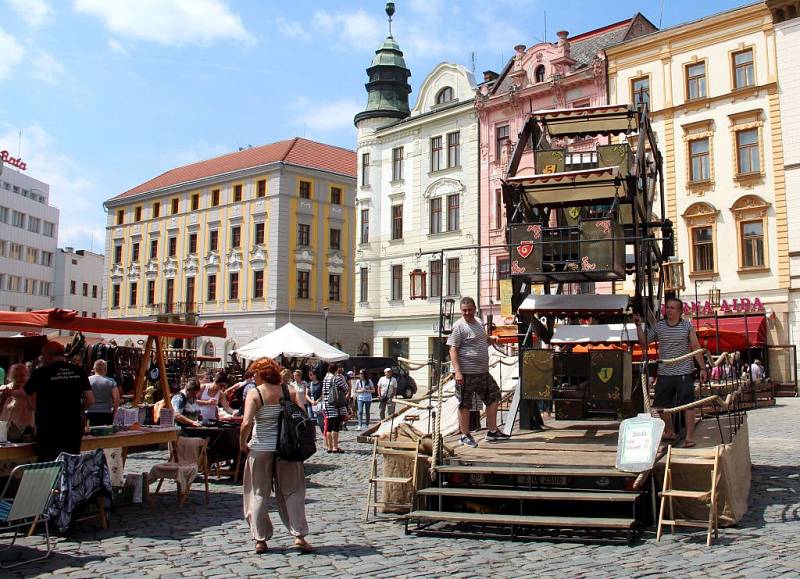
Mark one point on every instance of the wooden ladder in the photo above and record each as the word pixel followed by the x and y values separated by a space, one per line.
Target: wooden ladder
pixel 707 457
pixel 390 448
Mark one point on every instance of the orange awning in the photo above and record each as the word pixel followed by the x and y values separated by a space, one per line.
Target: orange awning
pixel 58 319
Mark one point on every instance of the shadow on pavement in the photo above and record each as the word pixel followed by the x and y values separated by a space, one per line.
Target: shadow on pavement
pixel 773 486
pixel 53 563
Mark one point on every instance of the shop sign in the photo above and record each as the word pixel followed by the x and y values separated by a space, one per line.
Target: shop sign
pixel 13 161
pixel 734 306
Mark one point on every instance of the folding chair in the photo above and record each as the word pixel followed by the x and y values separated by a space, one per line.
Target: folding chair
pixel 188 459
pixel 386 448
pixel 30 504
pixel 692 457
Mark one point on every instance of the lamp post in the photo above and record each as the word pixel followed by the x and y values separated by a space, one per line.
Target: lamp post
pixel 325 311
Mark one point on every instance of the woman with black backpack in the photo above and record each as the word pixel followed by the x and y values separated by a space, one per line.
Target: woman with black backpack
pixel 334 392
pixel 262 414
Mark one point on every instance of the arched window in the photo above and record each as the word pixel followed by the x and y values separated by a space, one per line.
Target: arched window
pixel 208 349
pixel 445 95
pixel 538 74
pixel 701 221
pixel 750 213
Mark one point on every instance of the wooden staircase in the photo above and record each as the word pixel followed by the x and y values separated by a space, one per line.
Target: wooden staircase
pixel 529 502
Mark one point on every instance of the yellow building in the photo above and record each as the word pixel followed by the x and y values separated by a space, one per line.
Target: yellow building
pixel 712 88
pixel 256 238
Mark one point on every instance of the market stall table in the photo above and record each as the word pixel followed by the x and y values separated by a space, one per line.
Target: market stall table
pixel 26 451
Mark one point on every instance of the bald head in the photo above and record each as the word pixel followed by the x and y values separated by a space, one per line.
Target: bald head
pixel 52 351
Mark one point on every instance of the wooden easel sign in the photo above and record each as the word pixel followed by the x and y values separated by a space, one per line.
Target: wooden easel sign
pixel 638 442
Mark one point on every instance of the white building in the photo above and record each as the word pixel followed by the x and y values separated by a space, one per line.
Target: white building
pixel 79 281
pixel 28 236
pixel 787 40
pixel 418 192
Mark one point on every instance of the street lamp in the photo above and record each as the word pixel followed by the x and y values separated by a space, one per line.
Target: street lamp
pixel 325 311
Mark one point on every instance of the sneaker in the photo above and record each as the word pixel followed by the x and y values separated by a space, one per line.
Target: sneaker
pixel 496 435
pixel 467 440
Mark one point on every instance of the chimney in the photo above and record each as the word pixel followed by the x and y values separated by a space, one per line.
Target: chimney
pixel 489 75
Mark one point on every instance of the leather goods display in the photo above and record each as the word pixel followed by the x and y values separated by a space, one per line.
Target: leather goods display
pixel 610 377
pixel 602 250
pixel 526 248
pixel 537 374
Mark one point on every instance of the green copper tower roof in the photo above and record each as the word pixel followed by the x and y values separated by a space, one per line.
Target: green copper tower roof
pixel 388 88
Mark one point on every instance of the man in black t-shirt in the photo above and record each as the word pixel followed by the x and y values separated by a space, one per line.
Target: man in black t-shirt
pixel 60 392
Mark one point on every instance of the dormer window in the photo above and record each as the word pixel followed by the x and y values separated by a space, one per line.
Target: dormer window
pixel 445 95
pixel 538 74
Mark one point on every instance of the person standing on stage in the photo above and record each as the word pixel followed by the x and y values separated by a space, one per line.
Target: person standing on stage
pixel 469 358
pixel 675 384
pixel 60 392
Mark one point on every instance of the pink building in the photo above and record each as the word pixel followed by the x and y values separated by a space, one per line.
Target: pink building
pixel 571 73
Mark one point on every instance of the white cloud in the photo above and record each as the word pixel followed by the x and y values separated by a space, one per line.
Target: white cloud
pixel 46 68
pixel 197 152
pixel 292 29
pixel 359 29
pixel 70 190
pixel 325 116
pixel 175 22
pixel 33 12
pixel 115 46
pixel 12 53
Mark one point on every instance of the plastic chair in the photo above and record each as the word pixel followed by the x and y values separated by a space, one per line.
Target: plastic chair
pixel 30 504
pixel 189 458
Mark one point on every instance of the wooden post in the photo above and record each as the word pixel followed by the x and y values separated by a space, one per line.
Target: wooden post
pixel 162 371
pixel 138 385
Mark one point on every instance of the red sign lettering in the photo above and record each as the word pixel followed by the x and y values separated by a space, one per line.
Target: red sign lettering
pixel 13 161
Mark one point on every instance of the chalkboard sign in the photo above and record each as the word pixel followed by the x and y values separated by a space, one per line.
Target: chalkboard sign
pixel 638 442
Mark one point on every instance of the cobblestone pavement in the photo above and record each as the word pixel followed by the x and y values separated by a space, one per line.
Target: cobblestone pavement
pixel 213 541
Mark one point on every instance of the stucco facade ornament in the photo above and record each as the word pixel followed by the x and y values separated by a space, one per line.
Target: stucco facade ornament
pixel 170 267
pixel 304 259
pixel 335 263
pixel 116 272
pixel 750 207
pixel 211 262
pixel 190 266
pixel 700 213
pixel 444 187
pixel 133 272
pixel 234 261
pixel 151 269
pixel 258 257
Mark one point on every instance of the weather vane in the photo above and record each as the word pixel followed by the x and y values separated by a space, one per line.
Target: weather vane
pixel 390 13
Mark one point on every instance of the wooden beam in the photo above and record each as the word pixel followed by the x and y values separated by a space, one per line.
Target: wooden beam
pixel 138 384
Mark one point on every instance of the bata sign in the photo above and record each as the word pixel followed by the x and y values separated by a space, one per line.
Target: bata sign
pixel 734 306
pixel 13 161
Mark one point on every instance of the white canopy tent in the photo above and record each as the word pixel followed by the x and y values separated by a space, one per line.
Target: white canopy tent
pixel 292 342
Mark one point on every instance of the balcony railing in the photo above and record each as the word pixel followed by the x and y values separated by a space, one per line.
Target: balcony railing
pixel 174 308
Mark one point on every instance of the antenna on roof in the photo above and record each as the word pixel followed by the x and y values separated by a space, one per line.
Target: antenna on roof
pixel 545 25
pixel 390 13
pixel 661 14
pixel 472 60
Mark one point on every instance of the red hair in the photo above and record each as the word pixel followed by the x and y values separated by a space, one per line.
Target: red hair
pixel 268 369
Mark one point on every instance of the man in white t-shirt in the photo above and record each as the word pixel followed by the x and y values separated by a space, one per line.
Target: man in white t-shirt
pixel 469 357
pixel 387 389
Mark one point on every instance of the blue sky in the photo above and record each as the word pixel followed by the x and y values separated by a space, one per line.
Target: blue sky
pixel 109 93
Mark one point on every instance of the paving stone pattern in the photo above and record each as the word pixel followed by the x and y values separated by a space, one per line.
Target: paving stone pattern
pixel 213 541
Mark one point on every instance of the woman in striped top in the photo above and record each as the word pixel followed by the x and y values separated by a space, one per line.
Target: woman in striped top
pixel 263 468
pixel 335 407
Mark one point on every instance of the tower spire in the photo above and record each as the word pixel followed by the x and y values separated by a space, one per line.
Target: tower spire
pixel 390 13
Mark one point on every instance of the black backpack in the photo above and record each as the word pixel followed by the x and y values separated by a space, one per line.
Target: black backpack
pixel 296 432
pixel 335 396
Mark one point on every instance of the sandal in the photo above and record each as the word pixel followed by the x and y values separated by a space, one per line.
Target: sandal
pixel 689 444
pixel 261 547
pixel 302 545
pixel 338 451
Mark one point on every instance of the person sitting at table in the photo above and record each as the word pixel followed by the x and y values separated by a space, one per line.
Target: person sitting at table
pixel 15 406
pixel 106 396
pixel 211 397
pixel 187 410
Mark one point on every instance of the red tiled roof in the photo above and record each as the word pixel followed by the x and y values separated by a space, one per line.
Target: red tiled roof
pixel 295 151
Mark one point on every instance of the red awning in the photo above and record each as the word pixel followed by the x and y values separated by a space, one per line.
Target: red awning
pixel 736 333
pixel 69 320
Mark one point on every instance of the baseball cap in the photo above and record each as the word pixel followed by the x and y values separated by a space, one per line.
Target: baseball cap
pixel 387 369
pixel 350 373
